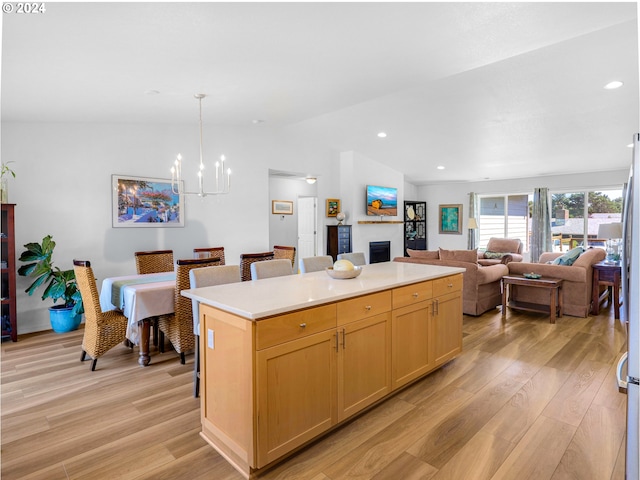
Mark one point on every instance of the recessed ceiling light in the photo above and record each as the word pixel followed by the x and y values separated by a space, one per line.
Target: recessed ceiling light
pixel 613 85
pixel 382 134
pixel 440 167
pixel 630 145
pixel 257 121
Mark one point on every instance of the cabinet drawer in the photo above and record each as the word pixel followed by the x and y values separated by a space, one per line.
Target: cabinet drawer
pixel 418 292
pixel 442 286
pixel 284 328
pixel 364 307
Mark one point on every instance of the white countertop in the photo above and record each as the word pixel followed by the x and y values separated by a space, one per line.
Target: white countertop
pixel 272 296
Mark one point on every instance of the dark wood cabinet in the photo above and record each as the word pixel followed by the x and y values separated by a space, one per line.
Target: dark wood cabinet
pixel 338 240
pixel 8 273
pixel 415 226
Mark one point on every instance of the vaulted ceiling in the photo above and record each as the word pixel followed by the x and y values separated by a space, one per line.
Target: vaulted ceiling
pixel 487 90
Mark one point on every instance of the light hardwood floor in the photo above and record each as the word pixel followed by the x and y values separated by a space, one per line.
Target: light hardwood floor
pixel 526 399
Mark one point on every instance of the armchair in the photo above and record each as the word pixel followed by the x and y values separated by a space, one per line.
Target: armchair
pixel 501 250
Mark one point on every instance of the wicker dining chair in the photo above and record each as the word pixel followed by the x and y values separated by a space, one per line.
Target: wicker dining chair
pixel 207 277
pixel 155 261
pixel 278 267
pixel 210 252
pixel 246 259
pixel 178 327
pixel 315 264
pixel 280 251
pixel 102 330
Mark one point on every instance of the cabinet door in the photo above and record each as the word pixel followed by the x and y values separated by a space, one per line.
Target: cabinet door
pixel 364 363
pixel 411 350
pixel 447 327
pixel 296 393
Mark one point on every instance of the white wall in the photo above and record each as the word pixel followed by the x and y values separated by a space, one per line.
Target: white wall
pixel 63 188
pixel 356 172
pixel 435 195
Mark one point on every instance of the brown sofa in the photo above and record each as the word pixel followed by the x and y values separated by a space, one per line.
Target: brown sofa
pixel 500 249
pixel 480 285
pixel 576 288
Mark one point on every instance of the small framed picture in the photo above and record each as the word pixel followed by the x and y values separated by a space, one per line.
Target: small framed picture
pixel 281 207
pixel 333 207
pixel 450 219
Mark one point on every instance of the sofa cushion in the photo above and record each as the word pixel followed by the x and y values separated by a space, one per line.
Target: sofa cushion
pixel 505 245
pixel 568 258
pixel 429 254
pixel 470 256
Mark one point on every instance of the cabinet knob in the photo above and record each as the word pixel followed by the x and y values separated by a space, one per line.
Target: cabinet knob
pixel 367 307
pixel 303 325
pixel 415 295
pixel 450 285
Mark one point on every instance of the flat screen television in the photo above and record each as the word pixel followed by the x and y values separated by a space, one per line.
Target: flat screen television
pixel 382 201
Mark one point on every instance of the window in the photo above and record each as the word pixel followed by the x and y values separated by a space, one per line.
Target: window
pixel 504 216
pixel 575 213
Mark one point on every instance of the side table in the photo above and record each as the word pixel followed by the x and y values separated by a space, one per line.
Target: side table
pixel 609 275
pixel 554 285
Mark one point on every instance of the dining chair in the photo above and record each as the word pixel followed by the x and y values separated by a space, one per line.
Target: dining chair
pixel 210 252
pixel 178 326
pixel 357 258
pixel 315 264
pixel 207 277
pixel 155 261
pixel 271 268
pixel 246 259
pixel 102 330
pixel 280 251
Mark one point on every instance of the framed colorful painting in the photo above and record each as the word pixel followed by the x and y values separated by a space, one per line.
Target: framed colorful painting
pixel 450 219
pixel 141 202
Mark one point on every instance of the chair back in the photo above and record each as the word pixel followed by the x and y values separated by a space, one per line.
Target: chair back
pixel 210 252
pixel 271 268
pixel 246 259
pixel 315 264
pixel 357 258
pixel 280 251
pixel 208 277
pixel 88 290
pixel 155 261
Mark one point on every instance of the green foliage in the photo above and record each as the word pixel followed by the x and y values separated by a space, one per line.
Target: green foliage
pixel 60 284
pixel 5 169
pixel 574 202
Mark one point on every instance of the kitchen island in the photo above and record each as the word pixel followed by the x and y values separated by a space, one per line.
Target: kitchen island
pixel 286 359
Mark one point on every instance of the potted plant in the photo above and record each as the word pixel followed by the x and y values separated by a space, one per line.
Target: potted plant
pixel 5 171
pixel 60 285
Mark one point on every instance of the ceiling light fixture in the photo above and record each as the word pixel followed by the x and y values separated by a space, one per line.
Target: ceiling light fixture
pixel 311 180
pixel 440 167
pixel 613 85
pixel 382 135
pixel 223 177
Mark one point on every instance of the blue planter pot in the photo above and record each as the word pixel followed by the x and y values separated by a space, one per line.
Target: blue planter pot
pixel 62 320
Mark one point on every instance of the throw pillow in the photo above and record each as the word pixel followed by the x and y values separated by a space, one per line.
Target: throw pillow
pixel 489 254
pixel 428 254
pixel 569 257
pixel 470 256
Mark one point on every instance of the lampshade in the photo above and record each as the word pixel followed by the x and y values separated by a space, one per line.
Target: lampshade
pixel 610 230
pixel 472 223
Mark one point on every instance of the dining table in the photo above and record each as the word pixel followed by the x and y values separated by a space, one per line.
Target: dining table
pixel 140 298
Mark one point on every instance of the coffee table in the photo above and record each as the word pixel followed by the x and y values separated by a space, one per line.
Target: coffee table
pixel 553 285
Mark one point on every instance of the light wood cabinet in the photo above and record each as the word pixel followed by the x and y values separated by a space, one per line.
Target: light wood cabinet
pixel 274 384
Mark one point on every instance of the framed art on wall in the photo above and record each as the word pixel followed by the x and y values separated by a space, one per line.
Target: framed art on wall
pixel 450 219
pixel 145 202
pixel 282 207
pixel 333 207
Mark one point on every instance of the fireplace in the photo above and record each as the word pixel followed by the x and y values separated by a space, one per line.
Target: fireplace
pixel 379 252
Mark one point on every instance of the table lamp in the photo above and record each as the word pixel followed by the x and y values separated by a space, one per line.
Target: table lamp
pixel 610 231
